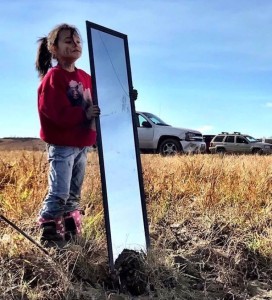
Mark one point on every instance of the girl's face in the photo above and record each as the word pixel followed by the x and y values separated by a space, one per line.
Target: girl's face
pixel 69 47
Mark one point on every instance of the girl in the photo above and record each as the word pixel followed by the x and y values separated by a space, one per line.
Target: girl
pixel 67 118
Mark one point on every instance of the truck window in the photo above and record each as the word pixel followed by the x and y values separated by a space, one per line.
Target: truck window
pixel 229 139
pixel 141 119
pixel 241 140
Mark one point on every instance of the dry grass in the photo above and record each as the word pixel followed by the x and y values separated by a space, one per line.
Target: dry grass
pixel 210 225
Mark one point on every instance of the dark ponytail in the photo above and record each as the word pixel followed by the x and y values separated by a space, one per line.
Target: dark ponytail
pixel 44 57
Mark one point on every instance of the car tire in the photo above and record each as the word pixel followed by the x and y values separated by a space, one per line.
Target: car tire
pixel 257 151
pixel 221 150
pixel 169 147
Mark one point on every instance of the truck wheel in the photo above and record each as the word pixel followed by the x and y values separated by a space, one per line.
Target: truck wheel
pixel 169 147
pixel 220 150
pixel 257 151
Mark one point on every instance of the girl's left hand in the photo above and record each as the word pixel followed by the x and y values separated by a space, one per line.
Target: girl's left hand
pixel 133 95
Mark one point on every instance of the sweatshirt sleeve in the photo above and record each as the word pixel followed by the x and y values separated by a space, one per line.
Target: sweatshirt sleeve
pixel 54 105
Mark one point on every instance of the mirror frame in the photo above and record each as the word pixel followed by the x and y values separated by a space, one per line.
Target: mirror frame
pixel 90 26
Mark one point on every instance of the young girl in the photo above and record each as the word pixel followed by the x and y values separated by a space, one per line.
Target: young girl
pixel 67 118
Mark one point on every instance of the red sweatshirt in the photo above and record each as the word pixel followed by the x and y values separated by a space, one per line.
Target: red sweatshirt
pixel 62 98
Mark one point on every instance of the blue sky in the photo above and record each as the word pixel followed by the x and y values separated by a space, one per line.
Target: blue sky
pixel 197 64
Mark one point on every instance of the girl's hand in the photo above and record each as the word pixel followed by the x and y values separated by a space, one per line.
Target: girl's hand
pixel 92 111
pixel 134 94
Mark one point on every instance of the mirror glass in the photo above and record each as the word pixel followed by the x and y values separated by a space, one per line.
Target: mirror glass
pixel 125 210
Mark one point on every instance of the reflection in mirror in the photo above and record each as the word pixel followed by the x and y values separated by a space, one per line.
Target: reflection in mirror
pixel 124 205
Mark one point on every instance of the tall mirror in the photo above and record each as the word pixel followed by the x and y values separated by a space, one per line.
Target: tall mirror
pixel 123 196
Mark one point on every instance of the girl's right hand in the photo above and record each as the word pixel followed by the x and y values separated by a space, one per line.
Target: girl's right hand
pixel 92 111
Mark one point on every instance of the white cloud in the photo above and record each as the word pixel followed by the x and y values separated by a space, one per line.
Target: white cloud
pixel 268 104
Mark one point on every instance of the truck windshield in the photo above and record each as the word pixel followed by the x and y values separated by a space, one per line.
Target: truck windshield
pixel 251 139
pixel 156 120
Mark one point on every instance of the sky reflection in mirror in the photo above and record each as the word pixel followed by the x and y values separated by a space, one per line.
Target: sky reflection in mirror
pixel 122 182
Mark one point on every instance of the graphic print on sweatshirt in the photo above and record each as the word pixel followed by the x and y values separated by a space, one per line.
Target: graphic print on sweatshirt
pixel 77 95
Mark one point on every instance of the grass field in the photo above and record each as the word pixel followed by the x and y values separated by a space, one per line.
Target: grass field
pixel 210 222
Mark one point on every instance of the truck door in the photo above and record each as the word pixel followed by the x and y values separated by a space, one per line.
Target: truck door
pixel 145 132
pixel 242 144
pixel 229 143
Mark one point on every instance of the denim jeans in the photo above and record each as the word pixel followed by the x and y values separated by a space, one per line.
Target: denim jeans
pixel 66 173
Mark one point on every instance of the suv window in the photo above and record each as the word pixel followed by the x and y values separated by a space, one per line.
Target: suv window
pixel 156 120
pixel 219 138
pixel 251 139
pixel 241 140
pixel 141 120
pixel 229 139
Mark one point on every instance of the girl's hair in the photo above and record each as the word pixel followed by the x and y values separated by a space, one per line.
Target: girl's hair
pixel 44 53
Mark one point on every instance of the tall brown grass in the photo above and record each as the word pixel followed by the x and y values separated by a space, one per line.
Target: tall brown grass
pixel 194 203
pixel 235 190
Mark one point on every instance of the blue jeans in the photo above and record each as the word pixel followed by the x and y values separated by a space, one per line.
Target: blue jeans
pixel 66 174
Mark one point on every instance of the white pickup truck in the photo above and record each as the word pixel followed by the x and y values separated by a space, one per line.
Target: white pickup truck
pixel 157 136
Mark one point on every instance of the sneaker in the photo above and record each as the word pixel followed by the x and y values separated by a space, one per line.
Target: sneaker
pixel 52 232
pixel 72 222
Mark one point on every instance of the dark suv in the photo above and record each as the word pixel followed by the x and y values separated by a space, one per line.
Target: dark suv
pixel 238 143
